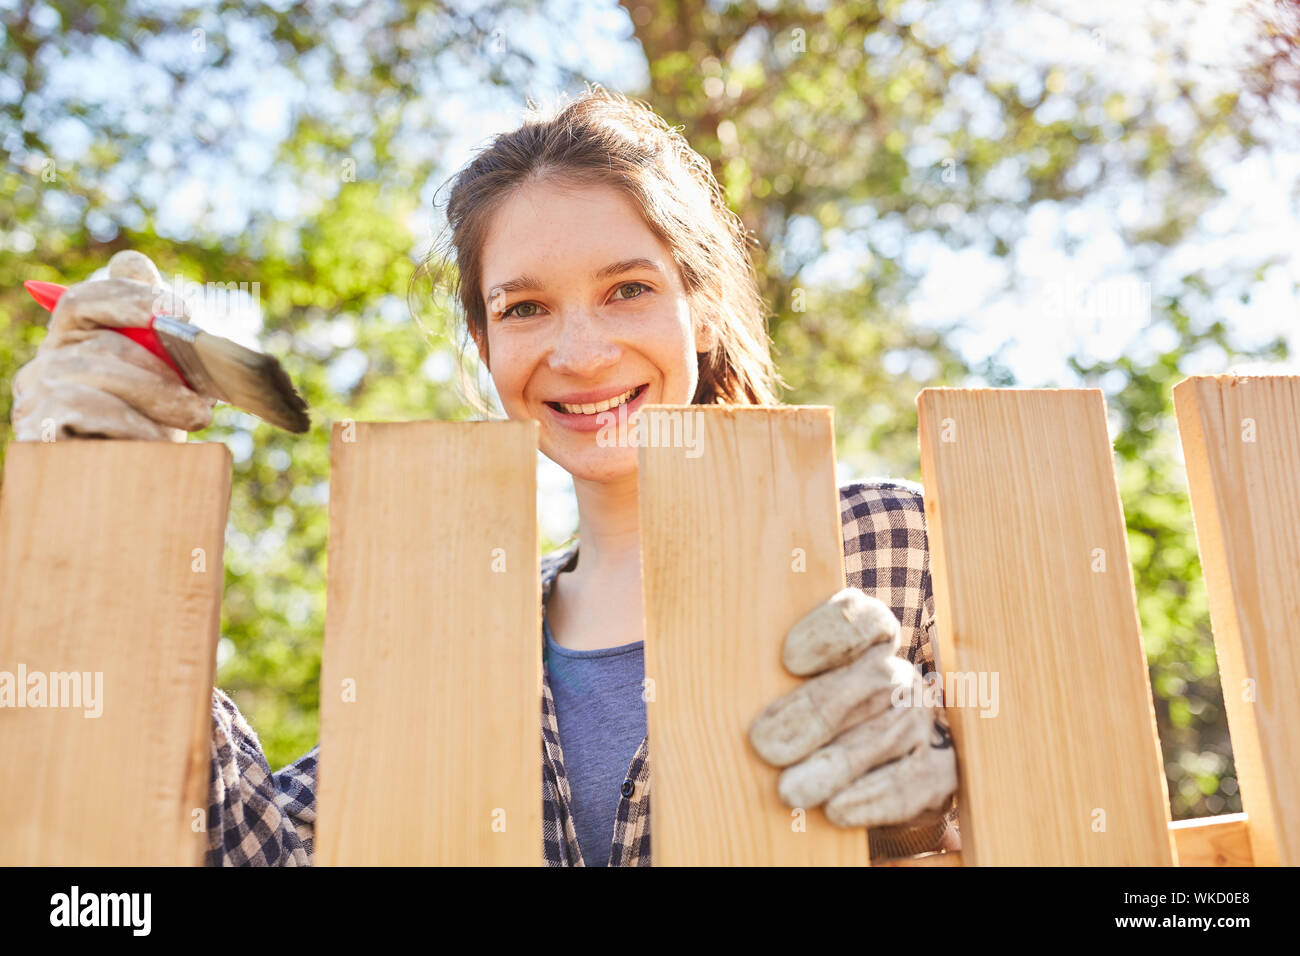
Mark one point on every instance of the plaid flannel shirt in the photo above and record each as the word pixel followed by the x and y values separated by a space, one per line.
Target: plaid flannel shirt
pixel 260 818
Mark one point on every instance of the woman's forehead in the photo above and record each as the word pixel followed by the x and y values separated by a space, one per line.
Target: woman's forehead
pixel 565 234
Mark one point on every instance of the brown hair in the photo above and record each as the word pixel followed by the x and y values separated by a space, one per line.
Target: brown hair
pixel 604 137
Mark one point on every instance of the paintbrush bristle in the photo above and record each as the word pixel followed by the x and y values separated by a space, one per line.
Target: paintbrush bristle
pixel 253 381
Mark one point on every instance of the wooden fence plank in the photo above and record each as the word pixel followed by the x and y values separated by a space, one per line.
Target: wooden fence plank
pixel 1222 840
pixel 1206 841
pixel 1033 589
pixel 432 671
pixel 732 506
pixel 1241 442
pixel 111 567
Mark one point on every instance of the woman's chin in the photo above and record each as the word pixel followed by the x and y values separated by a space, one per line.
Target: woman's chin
pixel 595 463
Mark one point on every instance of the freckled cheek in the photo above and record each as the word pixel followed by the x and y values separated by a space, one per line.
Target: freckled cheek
pixel 509 379
pixel 673 349
pixel 516 399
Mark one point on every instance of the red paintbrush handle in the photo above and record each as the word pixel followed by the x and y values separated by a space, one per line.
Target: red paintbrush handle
pixel 47 294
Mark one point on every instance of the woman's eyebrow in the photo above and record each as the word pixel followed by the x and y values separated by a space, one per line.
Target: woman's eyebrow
pixel 532 283
pixel 627 265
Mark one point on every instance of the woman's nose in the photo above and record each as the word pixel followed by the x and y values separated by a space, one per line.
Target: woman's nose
pixel 583 349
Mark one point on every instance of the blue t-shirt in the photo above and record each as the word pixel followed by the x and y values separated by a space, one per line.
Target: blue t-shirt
pixel 601 720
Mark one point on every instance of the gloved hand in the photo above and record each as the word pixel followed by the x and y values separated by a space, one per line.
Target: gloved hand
pixel 838 735
pixel 87 381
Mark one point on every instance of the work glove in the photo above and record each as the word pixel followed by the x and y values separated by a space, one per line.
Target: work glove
pixel 87 381
pixel 858 737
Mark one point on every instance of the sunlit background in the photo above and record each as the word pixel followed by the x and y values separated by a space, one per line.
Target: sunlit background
pixel 945 193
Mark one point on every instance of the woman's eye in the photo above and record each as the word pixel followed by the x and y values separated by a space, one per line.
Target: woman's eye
pixel 526 310
pixel 640 287
pixel 521 305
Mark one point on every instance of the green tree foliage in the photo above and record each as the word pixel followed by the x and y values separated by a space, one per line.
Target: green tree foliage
pixel 852 133
pixel 332 275
pixel 843 129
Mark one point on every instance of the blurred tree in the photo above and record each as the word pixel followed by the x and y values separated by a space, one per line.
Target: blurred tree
pixel 1273 72
pixel 325 244
pixel 850 136
pixel 852 132
pixel 1172 600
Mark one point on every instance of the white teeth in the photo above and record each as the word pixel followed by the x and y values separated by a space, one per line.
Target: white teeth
pixel 599 406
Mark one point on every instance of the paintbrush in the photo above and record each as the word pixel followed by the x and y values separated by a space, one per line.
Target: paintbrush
pixel 211 365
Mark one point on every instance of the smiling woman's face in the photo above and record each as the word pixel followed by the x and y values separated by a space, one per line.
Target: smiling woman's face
pixel 584 306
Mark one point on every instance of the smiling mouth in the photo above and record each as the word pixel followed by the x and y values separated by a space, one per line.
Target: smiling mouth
pixel 592 409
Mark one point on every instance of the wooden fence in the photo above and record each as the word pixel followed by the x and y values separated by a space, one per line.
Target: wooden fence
pixel 111 570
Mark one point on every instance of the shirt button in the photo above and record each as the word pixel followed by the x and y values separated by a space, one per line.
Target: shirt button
pixel 627 788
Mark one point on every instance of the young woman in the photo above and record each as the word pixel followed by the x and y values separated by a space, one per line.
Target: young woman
pixel 597 265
